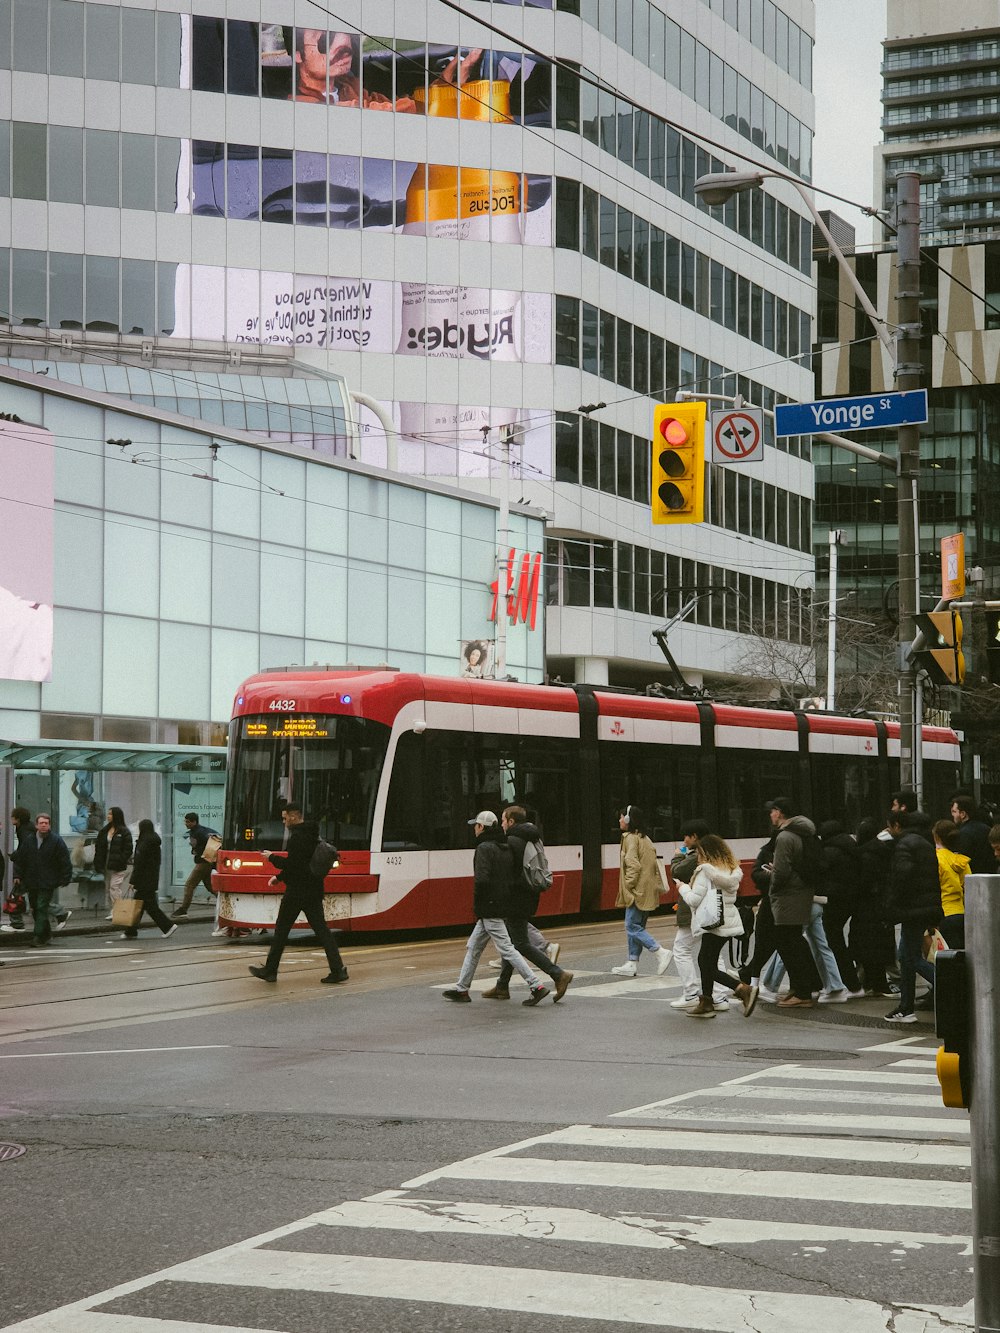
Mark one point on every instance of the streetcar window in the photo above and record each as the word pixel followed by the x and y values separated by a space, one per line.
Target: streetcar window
pixel 747 780
pixel 440 779
pixel 329 765
pixel 846 788
pixel 664 780
pixel 941 781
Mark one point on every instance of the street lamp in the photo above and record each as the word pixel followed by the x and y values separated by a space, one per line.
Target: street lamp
pixel 716 189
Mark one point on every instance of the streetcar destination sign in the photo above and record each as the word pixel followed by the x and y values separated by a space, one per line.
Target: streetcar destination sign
pixel 873 412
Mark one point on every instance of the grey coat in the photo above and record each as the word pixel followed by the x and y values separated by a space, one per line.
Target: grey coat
pixel 791 899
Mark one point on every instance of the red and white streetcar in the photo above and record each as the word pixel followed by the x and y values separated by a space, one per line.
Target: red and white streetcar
pixel 392 765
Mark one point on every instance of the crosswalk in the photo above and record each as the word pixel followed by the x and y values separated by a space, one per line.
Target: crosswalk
pixel 721 1209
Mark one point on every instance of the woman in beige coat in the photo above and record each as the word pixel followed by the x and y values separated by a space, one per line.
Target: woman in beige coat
pixel 639 888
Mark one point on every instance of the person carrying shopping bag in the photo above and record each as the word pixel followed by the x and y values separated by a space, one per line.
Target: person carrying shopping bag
pixel 711 895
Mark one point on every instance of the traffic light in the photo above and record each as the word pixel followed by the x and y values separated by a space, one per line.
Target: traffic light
pixel 951 1024
pixel 942 659
pixel 993 646
pixel 678 471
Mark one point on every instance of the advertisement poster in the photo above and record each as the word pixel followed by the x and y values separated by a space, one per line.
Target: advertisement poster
pixel 476 661
pixel 26 556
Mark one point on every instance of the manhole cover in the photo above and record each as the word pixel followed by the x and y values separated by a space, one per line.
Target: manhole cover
pixel 8 1151
pixel 791 1055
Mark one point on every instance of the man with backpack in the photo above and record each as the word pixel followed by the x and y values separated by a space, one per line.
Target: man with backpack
pixel 796 869
pixel 531 876
pixel 302 871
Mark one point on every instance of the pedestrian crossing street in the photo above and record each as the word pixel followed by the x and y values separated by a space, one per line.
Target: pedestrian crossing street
pixel 721 1209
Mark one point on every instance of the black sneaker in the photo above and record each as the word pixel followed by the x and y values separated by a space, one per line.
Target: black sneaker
pixel 459 996
pixel 263 974
pixel 333 978
pixel 538 993
pixel 178 914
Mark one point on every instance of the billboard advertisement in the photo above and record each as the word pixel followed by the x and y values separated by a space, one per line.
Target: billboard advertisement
pixel 26 554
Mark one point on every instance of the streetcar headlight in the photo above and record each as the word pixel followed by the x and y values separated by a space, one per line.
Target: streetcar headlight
pixel 236 863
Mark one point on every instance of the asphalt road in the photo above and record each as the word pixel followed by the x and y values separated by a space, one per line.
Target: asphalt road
pixel 603 1162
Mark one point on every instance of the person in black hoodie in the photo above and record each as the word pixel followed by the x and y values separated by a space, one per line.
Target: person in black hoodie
pixel 303 894
pixel 841 884
pixel 492 875
pixel 523 906
pixel 146 880
pixel 873 939
pixel 914 902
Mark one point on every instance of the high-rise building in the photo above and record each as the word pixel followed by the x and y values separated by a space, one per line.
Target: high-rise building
pixel 941 102
pixel 484 222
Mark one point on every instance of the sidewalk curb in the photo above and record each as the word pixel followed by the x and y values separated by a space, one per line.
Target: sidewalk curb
pixel 94 928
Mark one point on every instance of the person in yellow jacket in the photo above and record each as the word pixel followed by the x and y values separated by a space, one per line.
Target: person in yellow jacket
pixel 639 889
pixel 952 870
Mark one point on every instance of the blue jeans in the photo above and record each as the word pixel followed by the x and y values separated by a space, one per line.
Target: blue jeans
pixel 820 949
pixel 486 929
pixel 912 961
pixel 637 935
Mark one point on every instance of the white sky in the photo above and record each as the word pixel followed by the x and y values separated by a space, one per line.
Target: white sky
pixel 847 83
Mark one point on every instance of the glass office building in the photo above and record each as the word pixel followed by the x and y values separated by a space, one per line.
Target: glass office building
pixel 481 229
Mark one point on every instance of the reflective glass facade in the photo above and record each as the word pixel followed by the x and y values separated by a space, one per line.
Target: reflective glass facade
pixel 475 238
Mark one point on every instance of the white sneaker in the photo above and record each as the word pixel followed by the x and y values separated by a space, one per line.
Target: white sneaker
pixel 626 970
pixel 6 929
pixel 61 923
pixel 683 1002
pixel 855 994
pixel 168 933
pixel 663 957
pixel 552 951
pixel 721 1006
pixel 110 916
pixel 495 963
pixel 219 933
pixel 838 996
pixel 768 996
pixel 897 1016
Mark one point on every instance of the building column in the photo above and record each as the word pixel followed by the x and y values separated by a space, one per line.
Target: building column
pixel 590 670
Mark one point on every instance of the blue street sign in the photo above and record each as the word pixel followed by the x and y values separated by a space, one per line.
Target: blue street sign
pixel 873 412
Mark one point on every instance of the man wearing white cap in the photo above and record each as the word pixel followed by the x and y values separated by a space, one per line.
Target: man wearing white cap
pixel 491 870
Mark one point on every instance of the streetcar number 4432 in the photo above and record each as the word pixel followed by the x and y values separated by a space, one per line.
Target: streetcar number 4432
pixel 281 705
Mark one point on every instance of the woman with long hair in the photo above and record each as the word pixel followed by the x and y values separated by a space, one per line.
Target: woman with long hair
pixel 112 853
pixel 639 889
pixel 711 895
pixel 952 870
pixel 146 880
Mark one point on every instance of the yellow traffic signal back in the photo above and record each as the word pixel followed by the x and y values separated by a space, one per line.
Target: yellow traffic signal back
pixel 678 471
pixel 943 658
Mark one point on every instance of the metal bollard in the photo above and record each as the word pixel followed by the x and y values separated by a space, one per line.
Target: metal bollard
pixel 982 934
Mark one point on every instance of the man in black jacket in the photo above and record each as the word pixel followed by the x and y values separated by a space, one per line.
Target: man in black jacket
pixel 973 836
pixel 914 903
pixel 303 894
pixel 523 906
pixel 53 869
pixel 491 869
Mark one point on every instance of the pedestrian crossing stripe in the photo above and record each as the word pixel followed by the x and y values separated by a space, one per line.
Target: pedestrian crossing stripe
pixel 392 1211
pixel 663 1165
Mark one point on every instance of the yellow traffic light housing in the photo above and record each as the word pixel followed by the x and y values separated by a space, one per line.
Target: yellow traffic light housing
pixel 678 471
pixel 943 658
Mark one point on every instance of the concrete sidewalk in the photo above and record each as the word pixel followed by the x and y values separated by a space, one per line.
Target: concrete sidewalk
pixel 85 921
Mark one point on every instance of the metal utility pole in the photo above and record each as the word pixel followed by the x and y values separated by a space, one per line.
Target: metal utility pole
pixel 908 375
pixel 503 551
pixel 836 539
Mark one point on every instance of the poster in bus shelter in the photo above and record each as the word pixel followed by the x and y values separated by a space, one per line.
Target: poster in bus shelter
pixel 26 552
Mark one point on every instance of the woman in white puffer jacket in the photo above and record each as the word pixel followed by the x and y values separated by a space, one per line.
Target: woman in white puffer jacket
pixel 717 870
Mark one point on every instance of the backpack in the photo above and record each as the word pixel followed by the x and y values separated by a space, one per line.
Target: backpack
pixel 811 866
pixel 535 867
pixel 325 856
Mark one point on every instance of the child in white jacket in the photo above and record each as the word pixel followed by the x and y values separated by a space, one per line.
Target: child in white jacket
pixel 716 881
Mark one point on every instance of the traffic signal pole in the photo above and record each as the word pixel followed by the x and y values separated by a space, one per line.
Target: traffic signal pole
pixel 982 926
pixel 908 373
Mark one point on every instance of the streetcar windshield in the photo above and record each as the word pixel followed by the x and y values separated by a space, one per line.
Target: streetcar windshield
pixel 329 765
